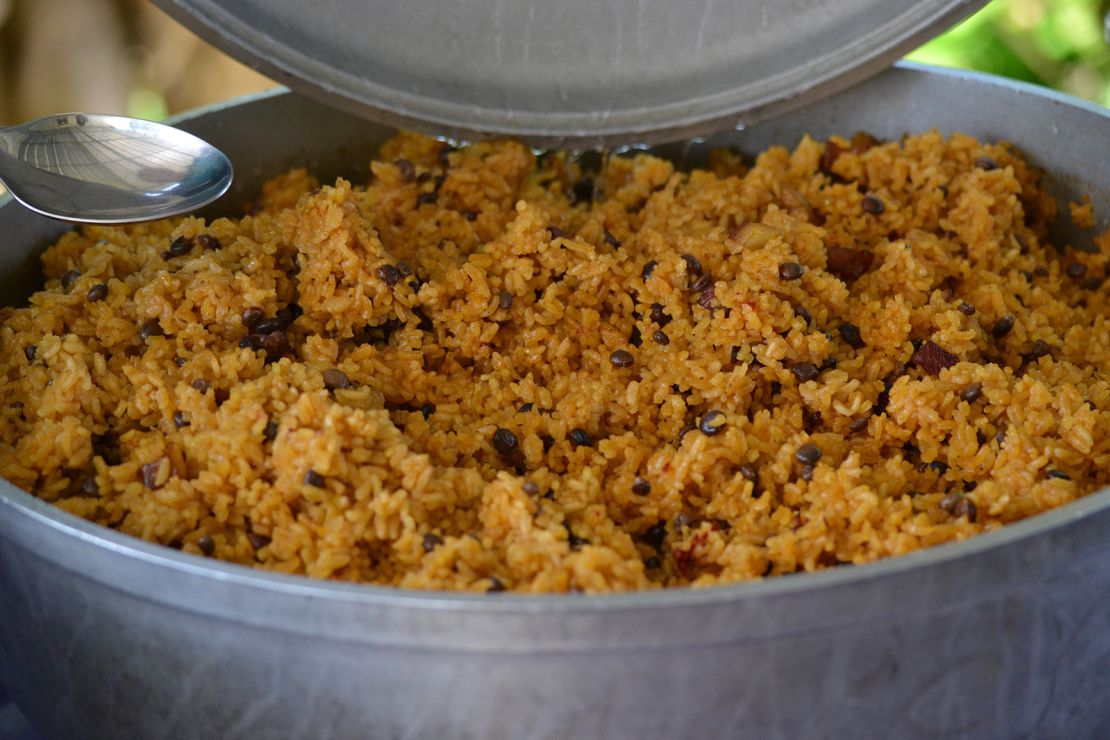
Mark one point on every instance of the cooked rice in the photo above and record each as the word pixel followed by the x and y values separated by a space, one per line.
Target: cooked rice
pixel 517 283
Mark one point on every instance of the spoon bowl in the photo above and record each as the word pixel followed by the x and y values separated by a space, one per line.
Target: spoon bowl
pixel 109 169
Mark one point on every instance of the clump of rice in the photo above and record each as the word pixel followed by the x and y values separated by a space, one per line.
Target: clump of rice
pixel 488 371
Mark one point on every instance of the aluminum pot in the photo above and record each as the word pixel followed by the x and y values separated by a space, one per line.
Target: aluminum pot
pixel 1004 635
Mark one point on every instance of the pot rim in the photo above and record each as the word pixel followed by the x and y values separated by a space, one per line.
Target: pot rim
pixel 15 502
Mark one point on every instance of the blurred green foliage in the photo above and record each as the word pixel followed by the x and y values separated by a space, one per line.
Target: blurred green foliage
pixel 1058 43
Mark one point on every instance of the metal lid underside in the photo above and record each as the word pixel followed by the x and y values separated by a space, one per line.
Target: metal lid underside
pixel 568 72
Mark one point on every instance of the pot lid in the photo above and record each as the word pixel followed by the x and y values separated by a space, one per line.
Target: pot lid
pixel 568 72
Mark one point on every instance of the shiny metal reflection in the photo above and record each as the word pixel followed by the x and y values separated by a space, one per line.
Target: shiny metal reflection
pixel 109 169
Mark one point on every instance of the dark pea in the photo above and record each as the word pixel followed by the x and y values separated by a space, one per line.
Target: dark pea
pixel 431 542
pixel 640 486
pixel 660 337
pixel 426 199
pixel 526 407
pixel 180 246
pixel 29 352
pixel 790 271
pixel 388 274
pixel 703 282
pixel 427 410
pixel 270 432
pixel 683 432
pixel 220 395
pixel 1041 348
pixel 150 328
pixel 804 314
pixel 69 277
pixel 971 392
pixel 1002 327
pixel 469 215
pixel 258 541
pixel 504 441
pixel 635 338
pixel 808 454
pixel 107 446
pixel 807 472
pixel 707 297
pixel 179 419
pixel 804 371
pixel 496 586
pixel 648 269
pixel 206 545
pixel 659 316
pixel 938 466
pixel 90 488
pixel 1060 474
pixel 621 358
pixel 149 473
pixel 850 334
pixel 404 268
pixel 986 163
pixel 246 343
pixel 266 326
pixel 425 322
pixel 584 190
pixel 872 205
pixel 207 241
pixel 314 479
pixel 335 379
pixel 656 536
pixel 505 300
pixel 555 232
pixel 275 344
pixel 611 240
pixel 966 308
pixel 1092 283
pixel 712 423
pixel 405 169
pixel 965 507
pixel 201 385
pixel 97 292
pixel 576 543
pixel 1076 270
pixel 179 361
pixel 693 266
pixel 251 316
pixel 652 563
pixel 859 424
pixel 531 488
pixel 581 438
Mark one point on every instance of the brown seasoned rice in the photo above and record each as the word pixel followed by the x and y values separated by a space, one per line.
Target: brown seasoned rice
pixel 488 371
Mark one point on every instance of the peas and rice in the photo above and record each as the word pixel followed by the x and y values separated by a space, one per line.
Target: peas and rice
pixel 490 371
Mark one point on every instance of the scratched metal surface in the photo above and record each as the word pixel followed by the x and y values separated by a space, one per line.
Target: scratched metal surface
pixel 570 72
pixel 1006 635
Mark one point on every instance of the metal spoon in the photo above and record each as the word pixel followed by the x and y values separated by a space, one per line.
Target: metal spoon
pixel 109 169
